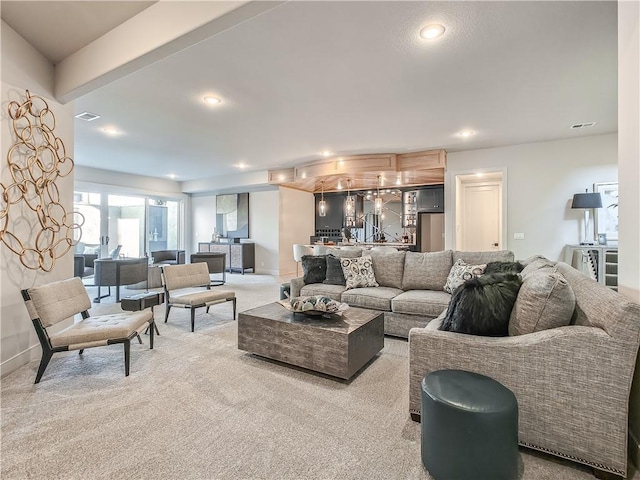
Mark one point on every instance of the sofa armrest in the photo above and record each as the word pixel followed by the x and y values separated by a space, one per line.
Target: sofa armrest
pixel 296 286
pixel 572 383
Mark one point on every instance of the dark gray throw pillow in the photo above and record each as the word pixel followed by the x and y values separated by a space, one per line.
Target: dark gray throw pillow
pixel 314 268
pixel 482 305
pixel 503 267
pixel 335 275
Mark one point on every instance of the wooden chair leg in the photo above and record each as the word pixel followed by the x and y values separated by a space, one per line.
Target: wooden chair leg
pixel 193 318
pixel 44 361
pixel 127 356
pixel 151 329
pixel 166 314
pixel 81 351
pixel 139 339
pixel 208 308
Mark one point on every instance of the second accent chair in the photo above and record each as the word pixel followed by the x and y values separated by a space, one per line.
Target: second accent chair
pixel 192 276
pixel 168 257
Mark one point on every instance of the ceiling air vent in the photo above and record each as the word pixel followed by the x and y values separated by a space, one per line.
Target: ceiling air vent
pixel 87 116
pixel 583 125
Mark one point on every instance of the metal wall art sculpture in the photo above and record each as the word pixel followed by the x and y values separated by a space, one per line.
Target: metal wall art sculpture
pixel 43 230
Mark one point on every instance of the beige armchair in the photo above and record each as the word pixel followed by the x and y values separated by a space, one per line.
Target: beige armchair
pixel 193 276
pixel 50 304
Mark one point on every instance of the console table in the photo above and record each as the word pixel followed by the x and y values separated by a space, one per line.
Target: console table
pixel 600 262
pixel 239 256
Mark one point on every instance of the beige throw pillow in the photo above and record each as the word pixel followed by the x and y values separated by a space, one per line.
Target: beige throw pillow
pixel 358 272
pixel 545 300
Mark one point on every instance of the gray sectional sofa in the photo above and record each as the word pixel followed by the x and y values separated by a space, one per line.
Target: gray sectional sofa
pixel 572 376
pixel 411 285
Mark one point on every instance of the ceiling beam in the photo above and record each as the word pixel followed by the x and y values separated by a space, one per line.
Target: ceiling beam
pixel 155 33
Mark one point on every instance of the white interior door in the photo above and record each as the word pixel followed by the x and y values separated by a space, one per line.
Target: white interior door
pixel 480 226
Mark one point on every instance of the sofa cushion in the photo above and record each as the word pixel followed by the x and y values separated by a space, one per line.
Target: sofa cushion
pixel 358 272
pixel 429 303
pixel 334 292
pixel 388 268
pixel 483 257
pixel 426 271
pixel 460 273
pixel 347 252
pixel 314 268
pixel 483 305
pixel 535 265
pixel 545 301
pixel 334 271
pixel 374 298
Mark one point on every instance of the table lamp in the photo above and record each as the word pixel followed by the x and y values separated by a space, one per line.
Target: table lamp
pixel 587 201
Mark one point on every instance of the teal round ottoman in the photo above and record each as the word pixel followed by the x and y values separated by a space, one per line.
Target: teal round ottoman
pixel 469 427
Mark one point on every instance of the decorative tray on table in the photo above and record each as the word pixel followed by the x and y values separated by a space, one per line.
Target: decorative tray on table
pixel 314 305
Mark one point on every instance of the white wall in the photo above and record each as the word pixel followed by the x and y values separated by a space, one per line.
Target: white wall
pixel 263 229
pixel 24 68
pixel 629 168
pixel 263 225
pixel 296 224
pixel 540 182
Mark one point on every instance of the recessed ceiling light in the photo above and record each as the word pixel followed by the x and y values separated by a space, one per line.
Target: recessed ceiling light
pixel 432 31
pixel 466 133
pixel 87 116
pixel 110 131
pixel 326 153
pixel 172 175
pixel 211 100
pixel 241 165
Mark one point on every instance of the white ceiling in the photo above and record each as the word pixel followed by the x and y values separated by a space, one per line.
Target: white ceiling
pixel 354 77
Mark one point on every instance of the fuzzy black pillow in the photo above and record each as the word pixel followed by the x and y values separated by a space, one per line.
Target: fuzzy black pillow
pixel 482 305
pixel 503 267
pixel 335 275
pixel 314 268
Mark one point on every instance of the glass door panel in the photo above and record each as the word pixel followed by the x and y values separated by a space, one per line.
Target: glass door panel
pixel 126 226
pixel 89 205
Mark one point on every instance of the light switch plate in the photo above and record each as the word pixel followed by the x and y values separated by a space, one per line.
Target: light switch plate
pixel 518 236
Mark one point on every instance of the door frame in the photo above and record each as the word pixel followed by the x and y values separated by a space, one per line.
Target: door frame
pixel 451 212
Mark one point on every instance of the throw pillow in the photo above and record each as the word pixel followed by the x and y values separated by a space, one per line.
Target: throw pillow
pixel 334 271
pixel 482 305
pixel 460 273
pixel 535 265
pixel 314 268
pixel 503 267
pixel 358 272
pixel 545 301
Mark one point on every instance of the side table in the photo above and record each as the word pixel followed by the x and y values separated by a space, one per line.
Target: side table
pixel 135 303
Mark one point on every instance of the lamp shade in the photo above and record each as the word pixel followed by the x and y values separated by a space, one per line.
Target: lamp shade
pixel 587 200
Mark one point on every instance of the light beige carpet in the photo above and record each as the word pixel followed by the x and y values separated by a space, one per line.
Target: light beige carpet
pixel 196 407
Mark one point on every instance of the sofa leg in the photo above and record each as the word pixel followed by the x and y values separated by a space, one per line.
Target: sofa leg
pixel 415 417
pixel 602 475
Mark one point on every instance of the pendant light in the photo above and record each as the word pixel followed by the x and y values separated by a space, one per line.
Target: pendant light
pixel 322 205
pixel 350 207
pixel 378 201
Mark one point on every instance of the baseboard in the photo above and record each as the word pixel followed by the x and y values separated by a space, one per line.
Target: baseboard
pixel 264 271
pixel 22 358
pixel 634 450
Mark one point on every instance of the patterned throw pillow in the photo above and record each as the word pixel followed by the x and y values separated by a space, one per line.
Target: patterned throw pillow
pixel 460 273
pixel 358 272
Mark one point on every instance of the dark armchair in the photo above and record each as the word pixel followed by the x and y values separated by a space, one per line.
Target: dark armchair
pixel 168 257
pixel 116 272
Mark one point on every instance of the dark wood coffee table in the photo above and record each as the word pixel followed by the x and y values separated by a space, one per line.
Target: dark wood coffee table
pixel 337 346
